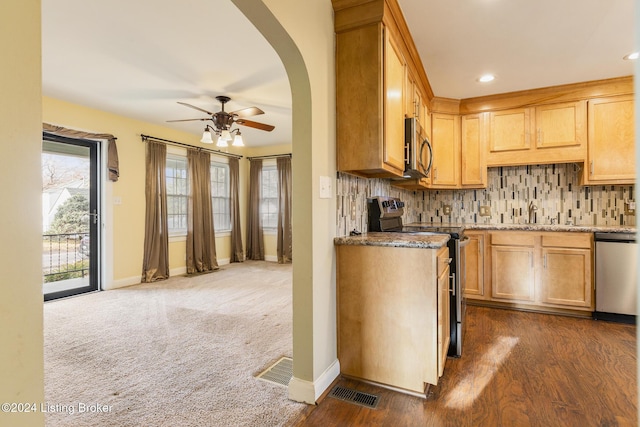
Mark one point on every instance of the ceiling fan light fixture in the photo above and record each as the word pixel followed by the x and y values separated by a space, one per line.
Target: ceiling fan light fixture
pixel 206 137
pixel 226 135
pixel 237 140
pixel 222 142
pixel 631 56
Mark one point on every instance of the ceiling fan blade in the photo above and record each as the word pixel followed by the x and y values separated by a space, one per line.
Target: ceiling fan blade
pixel 196 108
pixel 247 112
pixel 256 125
pixel 187 120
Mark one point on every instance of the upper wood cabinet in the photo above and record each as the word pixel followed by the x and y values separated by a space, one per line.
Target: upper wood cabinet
pixel 473 167
pixel 553 133
pixel 611 146
pixel 445 139
pixel 370 79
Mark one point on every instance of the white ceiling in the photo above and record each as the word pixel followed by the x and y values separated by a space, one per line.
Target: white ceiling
pixel 138 58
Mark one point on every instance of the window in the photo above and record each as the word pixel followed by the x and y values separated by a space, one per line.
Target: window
pixel 177 194
pixel 220 200
pixel 269 197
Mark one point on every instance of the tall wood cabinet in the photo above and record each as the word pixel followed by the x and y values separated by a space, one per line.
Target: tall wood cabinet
pixel 473 153
pixel 370 79
pixel 611 148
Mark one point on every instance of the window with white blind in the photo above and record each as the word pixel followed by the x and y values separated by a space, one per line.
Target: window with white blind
pixel 269 197
pixel 220 199
pixel 177 194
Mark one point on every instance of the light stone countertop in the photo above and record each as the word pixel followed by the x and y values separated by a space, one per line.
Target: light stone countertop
pixel 535 227
pixel 397 240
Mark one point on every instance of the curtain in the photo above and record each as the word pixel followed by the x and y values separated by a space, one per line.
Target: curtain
pixel 284 210
pixel 201 243
pixel 255 239
pixel 112 150
pixel 237 254
pixel 155 263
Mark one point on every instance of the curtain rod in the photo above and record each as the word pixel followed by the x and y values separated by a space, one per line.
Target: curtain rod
pixel 269 156
pixel 180 144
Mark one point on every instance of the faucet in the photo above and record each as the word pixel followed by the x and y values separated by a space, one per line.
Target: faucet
pixel 532 209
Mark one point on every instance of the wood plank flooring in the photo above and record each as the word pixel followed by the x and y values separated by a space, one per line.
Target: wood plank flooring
pixel 517 369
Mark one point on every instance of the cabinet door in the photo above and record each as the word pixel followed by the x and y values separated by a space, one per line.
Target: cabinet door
pixel 512 272
pixel 394 80
pixel 510 130
pixel 444 325
pixel 473 148
pixel 446 151
pixel 561 125
pixel 474 266
pixel 611 143
pixel 566 277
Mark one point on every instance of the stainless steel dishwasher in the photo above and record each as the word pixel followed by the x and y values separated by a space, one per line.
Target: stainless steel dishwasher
pixel 616 277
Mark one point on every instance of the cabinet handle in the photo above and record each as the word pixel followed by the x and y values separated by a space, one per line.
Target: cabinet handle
pixel 591 168
pixel 435 173
pixel 538 136
pixel 545 261
pixel 452 289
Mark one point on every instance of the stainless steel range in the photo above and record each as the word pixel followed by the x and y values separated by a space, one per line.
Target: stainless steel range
pixel 385 214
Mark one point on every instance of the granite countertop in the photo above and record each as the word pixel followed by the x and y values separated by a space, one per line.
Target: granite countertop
pixel 397 240
pixel 536 227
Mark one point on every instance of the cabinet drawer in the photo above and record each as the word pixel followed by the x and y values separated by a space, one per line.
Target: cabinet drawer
pixel 567 240
pixel 443 260
pixel 512 238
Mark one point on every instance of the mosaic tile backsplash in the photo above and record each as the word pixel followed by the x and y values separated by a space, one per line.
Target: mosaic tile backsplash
pixel 553 189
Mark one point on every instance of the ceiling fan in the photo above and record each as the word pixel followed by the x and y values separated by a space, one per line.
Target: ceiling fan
pixel 223 121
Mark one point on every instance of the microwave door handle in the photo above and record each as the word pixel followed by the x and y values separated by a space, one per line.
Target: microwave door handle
pixel 428 168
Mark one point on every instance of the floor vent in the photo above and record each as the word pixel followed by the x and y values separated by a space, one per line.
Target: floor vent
pixel 279 373
pixel 359 398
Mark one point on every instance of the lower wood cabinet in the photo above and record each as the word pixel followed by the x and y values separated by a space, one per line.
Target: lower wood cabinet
pixel 543 270
pixel 392 314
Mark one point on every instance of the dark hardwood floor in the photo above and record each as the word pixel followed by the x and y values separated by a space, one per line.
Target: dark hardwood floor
pixel 517 369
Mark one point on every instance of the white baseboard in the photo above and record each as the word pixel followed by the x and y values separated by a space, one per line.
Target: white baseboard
pixel 309 392
pixel 271 258
pixel 121 283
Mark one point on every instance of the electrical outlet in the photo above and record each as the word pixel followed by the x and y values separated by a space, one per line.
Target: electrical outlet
pixel 629 207
pixel 446 209
pixel 485 210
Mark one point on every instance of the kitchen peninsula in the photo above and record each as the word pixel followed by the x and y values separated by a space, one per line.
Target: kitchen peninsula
pixel 393 308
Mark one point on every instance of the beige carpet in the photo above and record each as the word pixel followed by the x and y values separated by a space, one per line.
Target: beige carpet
pixel 182 352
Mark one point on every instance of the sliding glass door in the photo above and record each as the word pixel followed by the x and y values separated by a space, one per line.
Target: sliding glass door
pixel 70 216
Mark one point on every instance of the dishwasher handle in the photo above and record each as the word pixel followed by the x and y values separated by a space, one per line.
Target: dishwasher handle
pixel 615 237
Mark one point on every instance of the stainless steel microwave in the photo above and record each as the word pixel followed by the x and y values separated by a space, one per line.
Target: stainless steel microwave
pixel 418 151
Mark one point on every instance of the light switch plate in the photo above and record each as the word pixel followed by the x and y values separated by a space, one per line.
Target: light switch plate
pixel 485 210
pixel 325 187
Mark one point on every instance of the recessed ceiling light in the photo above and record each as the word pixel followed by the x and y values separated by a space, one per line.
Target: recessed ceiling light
pixel 486 78
pixel 631 56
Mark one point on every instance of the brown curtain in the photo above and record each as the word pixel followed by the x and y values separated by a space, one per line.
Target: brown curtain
pixel 201 243
pixel 237 254
pixel 255 239
pixel 155 263
pixel 284 210
pixel 112 150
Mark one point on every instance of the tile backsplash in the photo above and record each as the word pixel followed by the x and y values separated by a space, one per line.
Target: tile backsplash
pixel 553 189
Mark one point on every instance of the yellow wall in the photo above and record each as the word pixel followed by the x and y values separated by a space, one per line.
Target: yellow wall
pixel 124 223
pixel 21 338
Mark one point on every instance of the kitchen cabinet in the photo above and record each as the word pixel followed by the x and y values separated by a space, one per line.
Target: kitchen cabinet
pixel 543 134
pixel 370 105
pixel 611 141
pixel 513 275
pixel 444 314
pixel 391 318
pixel 445 132
pixel 475 265
pixel 473 167
pixel 545 271
pixel 567 270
